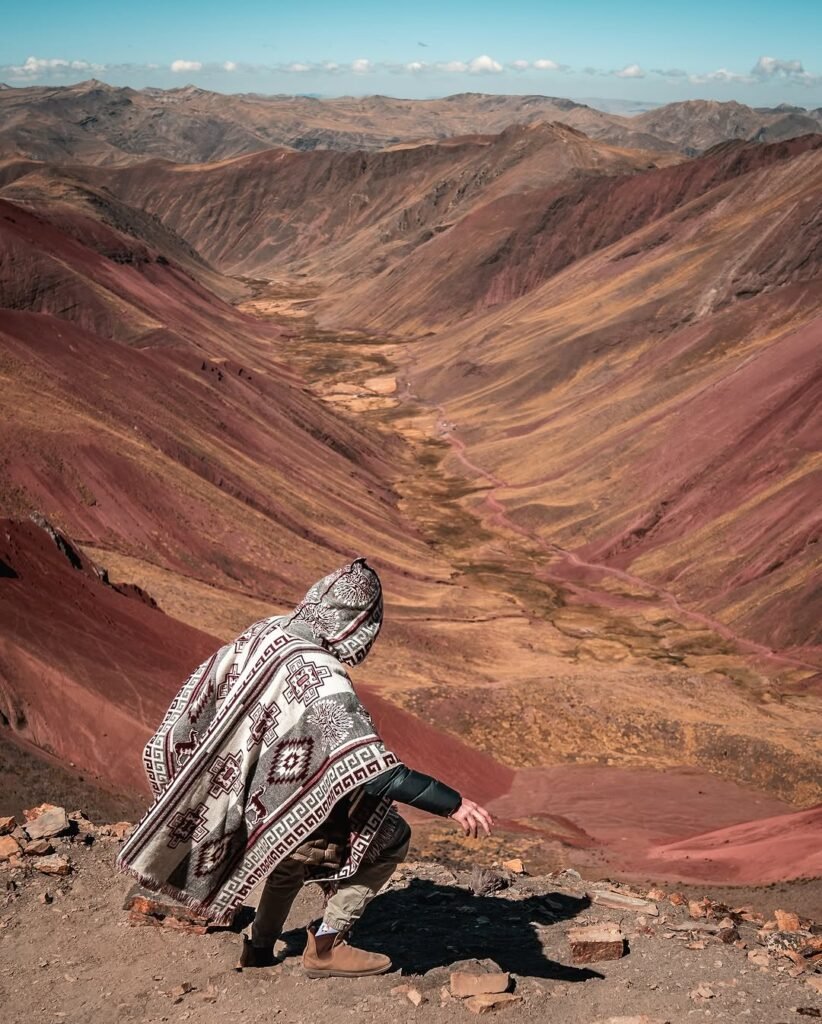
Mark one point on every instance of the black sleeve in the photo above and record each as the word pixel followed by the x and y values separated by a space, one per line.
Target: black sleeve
pixel 409 787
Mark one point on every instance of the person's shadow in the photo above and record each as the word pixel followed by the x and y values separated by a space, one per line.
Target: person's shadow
pixel 426 925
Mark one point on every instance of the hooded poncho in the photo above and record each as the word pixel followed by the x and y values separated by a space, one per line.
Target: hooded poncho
pixel 257 748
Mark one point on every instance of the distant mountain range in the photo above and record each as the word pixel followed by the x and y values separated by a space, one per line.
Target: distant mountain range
pixel 98 123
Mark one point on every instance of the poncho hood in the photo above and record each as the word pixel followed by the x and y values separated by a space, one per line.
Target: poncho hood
pixel 342 612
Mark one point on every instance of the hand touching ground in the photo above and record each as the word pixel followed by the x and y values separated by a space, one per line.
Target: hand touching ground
pixel 473 818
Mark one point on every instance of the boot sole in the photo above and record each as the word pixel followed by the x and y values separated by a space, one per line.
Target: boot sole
pixel 313 973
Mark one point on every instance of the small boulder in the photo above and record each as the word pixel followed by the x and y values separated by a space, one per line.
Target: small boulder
pixel 7 824
pixel 759 957
pixel 50 821
pixel 595 942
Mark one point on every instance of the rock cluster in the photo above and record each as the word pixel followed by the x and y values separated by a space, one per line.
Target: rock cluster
pixel 30 845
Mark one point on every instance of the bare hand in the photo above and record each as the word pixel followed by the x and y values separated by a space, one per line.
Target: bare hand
pixel 473 818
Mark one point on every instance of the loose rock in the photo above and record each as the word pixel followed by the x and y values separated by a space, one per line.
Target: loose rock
pixel 7 825
pixel 38 848
pixel 413 995
pixel 9 847
pixel 515 866
pixel 53 865
pixel 787 921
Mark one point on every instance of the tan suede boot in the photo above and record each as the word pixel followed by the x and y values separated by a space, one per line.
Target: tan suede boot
pixel 330 956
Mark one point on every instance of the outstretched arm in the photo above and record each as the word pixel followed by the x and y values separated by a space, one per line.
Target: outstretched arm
pixel 416 789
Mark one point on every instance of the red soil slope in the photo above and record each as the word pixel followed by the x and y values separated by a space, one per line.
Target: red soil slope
pixel 111 662
pixel 146 415
pixel 106 660
pixel 755 851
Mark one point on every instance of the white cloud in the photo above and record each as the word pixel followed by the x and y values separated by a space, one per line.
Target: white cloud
pixel 415 66
pixel 453 66
pixel 298 67
pixel 520 65
pixel 34 67
pixel 484 65
pixel 546 65
pixel 771 67
pixel 720 75
pixel 630 71
pixel 669 72
pixel 179 66
pixel 361 66
pixel 229 65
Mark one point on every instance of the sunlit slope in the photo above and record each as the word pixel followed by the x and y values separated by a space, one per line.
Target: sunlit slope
pixel 654 406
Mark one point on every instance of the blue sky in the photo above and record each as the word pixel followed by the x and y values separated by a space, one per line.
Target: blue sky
pixel 755 52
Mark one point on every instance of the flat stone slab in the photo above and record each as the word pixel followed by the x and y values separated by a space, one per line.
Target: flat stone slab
pixel 465 984
pixel 620 901
pixel 487 1002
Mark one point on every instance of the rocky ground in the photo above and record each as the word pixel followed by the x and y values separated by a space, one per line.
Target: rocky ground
pixel 69 951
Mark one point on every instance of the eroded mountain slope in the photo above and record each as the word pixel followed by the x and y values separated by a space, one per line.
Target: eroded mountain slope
pixel 653 407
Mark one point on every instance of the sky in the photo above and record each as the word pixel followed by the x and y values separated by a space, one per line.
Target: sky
pixel 760 53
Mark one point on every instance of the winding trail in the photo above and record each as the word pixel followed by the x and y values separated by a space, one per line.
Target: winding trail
pixel 498 515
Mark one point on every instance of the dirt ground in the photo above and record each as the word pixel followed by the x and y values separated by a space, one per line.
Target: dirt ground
pixel 77 959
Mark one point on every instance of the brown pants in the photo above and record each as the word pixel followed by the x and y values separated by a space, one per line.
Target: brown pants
pixel 346 905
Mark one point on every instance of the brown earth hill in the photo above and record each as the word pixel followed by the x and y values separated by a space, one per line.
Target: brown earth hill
pixel 93 122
